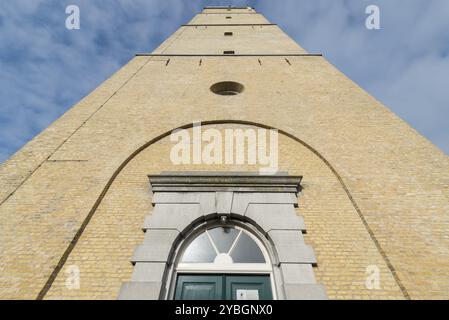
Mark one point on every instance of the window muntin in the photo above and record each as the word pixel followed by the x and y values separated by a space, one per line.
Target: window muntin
pixel 223 238
pixel 199 251
pixel 246 250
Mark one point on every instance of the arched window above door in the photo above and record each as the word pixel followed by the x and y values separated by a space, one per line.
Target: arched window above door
pixel 227 248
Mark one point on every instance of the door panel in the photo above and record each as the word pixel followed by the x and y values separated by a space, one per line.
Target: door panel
pixel 199 288
pixel 248 288
pixel 223 287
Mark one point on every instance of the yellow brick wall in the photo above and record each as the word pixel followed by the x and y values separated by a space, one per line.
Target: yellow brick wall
pixel 343 246
pixel 245 40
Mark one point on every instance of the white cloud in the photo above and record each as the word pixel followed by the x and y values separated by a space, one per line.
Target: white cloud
pixel 405 65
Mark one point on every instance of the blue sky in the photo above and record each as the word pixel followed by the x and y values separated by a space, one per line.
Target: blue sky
pixel 45 68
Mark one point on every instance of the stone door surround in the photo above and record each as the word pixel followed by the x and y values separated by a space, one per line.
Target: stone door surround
pixel 187 201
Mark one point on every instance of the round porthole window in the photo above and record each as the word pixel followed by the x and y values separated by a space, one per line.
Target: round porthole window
pixel 227 88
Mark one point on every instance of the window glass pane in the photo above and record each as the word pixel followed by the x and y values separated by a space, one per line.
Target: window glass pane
pixel 223 238
pixel 246 250
pixel 199 251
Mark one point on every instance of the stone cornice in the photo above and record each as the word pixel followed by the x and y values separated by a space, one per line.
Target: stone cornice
pixel 218 181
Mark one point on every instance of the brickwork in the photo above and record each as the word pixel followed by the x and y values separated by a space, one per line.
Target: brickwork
pixel 343 247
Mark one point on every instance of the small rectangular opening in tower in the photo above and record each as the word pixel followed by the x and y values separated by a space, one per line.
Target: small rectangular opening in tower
pixel 228 52
pixel 228 17
pixel 228 34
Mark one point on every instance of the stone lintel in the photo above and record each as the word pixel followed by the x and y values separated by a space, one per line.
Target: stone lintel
pixel 225 182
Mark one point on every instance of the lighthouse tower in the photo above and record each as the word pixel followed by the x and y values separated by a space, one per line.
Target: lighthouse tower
pixel 227 164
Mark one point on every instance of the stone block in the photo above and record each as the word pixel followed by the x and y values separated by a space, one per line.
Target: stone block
pixel 290 247
pixel 156 247
pixel 205 199
pixel 305 292
pixel 140 291
pixel 298 273
pixel 148 272
pixel 173 216
pixel 275 217
pixel 224 202
pixel 242 200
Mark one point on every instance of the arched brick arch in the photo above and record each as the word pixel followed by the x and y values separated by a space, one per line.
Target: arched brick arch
pixel 80 231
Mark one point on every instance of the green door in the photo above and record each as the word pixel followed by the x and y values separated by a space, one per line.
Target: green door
pixel 199 288
pixel 223 287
